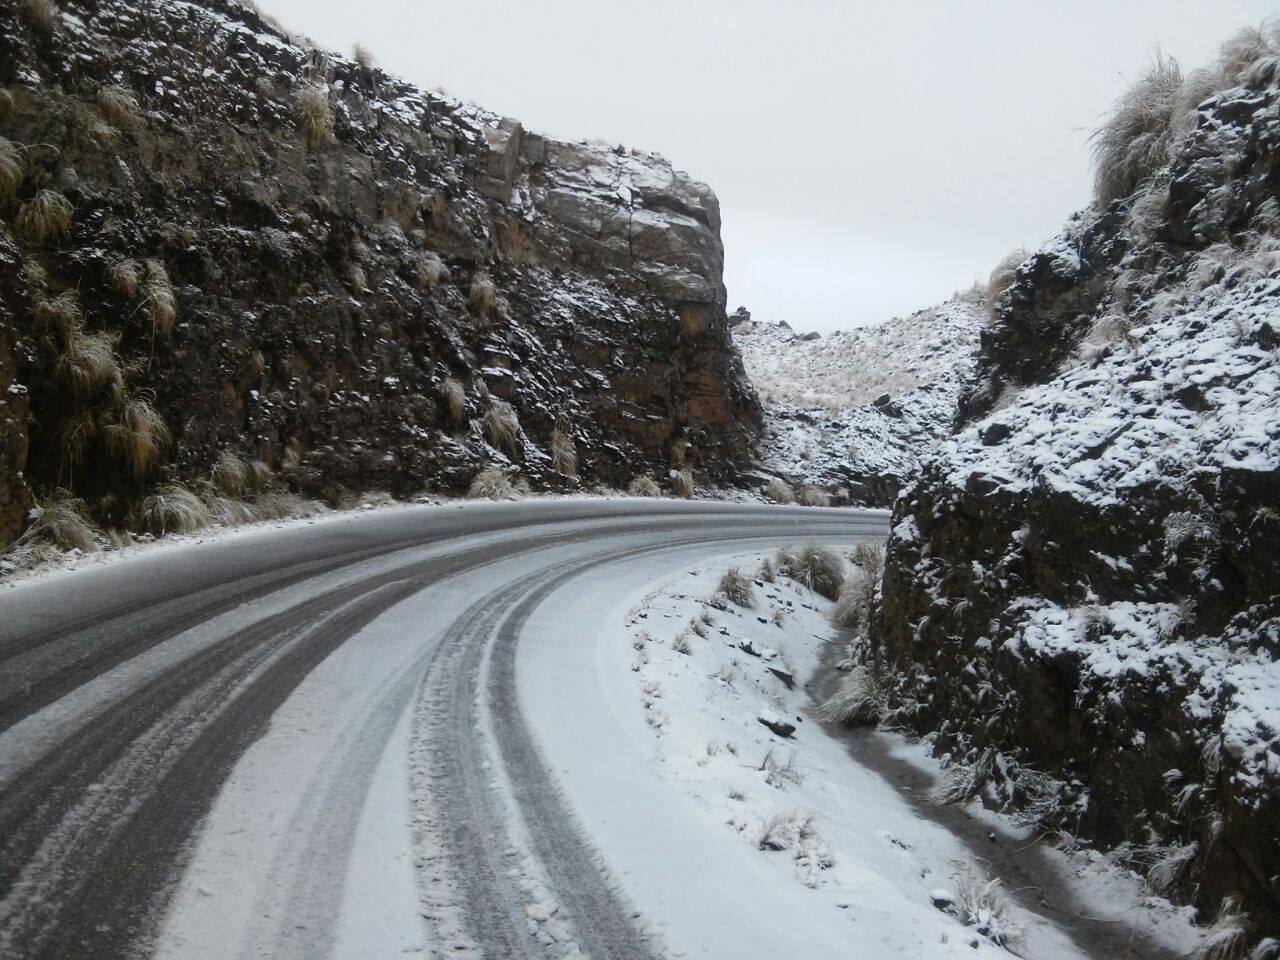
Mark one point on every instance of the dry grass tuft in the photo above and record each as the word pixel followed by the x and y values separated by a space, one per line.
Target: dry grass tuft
pixel 1134 142
pixel 853 605
pixel 502 427
pixel 454 397
pixel 62 314
pixel 73 437
pixel 6 103
pixel 125 277
pixel 45 217
pixel 11 172
pixel 136 433
pixel 119 106
pixel 492 484
pixel 682 483
pixel 564 453
pixel 813 497
pixel 1001 279
pixel 736 588
pixel 431 270
pixel 62 520
pixel 818 568
pixel 230 473
pixel 42 15
pixel 162 305
pixel 172 508
pixel 779 491
pixel 860 701
pixel 88 362
pixel 643 486
pixel 314 114
pixel 481 295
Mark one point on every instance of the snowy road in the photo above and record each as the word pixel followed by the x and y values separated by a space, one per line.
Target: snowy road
pixel 310 742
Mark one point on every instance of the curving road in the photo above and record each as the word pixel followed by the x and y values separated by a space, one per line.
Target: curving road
pixel 306 742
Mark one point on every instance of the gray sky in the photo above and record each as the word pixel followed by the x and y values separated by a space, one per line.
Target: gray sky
pixel 870 158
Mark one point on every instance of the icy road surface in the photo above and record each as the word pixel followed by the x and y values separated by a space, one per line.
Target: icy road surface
pixel 311 742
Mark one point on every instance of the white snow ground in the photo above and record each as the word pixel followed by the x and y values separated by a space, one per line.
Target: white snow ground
pixel 661 754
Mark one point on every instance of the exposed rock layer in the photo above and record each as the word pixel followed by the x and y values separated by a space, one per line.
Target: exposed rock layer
pixel 311 333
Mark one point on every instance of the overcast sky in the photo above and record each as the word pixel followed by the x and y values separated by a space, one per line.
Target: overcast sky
pixel 870 157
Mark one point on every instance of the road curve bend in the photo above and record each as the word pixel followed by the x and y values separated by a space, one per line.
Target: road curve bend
pixel 306 741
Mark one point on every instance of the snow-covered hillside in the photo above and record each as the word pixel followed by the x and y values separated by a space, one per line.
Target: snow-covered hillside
pixel 860 408
pixel 1083 582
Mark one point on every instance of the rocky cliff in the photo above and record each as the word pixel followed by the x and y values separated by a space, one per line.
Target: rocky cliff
pixel 218 240
pixel 857 410
pixel 1081 602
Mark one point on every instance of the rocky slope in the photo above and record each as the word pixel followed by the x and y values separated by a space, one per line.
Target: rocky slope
pixel 215 239
pixel 859 409
pixel 1081 602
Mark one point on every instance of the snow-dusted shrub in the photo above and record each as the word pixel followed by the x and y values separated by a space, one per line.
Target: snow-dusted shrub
pixel 502 426
pixel 962 781
pixel 362 57
pixel 982 904
pixel 172 508
pixel 11 172
pixel 818 568
pixel 767 572
pixel 680 643
pixel 314 114
pixel 162 305
pixel 1251 56
pixel 643 486
pixel 860 701
pixel 736 588
pixel 431 270
pixel 481 294
pixel 1002 276
pixel 1183 526
pixel 492 484
pixel 564 453
pixel 1228 938
pixel 118 105
pixel 682 483
pixel 45 217
pixel 779 491
pixel 62 521
pixel 813 497
pixel 1042 805
pixel 1134 141
pixel 136 433
pixel 1171 866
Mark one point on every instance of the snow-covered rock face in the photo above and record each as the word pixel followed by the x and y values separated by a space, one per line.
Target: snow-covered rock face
pixel 1085 577
pixel 322 275
pixel 860 409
